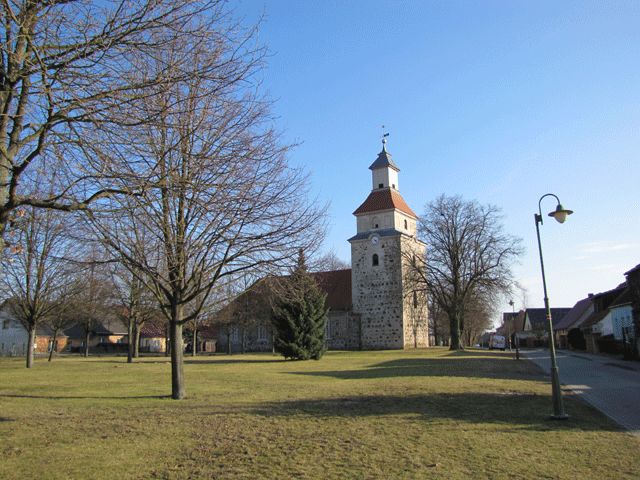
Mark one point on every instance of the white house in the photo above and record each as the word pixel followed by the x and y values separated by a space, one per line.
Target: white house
pixel 13 336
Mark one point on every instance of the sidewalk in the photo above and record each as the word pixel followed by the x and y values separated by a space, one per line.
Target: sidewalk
pixel 609 384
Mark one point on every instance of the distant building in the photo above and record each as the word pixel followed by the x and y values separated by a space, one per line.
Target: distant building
pixel 633 281
pixel 535 329
pixel 567 330
pixel 14 338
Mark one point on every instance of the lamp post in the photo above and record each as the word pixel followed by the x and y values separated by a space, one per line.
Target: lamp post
pixel 560 214
pixel 515 329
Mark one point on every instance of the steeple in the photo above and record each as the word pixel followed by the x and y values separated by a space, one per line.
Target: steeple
pixel 384 159
pixel 384 171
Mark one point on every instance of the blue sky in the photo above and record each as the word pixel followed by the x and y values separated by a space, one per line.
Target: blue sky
pixel 497 101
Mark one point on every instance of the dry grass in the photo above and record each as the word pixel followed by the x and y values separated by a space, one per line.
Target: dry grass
pixel 422 414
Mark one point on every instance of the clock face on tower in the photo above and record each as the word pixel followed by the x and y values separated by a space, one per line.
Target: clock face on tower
pixel 375 239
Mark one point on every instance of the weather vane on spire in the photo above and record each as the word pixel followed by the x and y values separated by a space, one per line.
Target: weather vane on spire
pixel 384 136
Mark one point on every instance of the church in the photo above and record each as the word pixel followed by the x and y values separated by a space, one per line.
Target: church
pixel 372 306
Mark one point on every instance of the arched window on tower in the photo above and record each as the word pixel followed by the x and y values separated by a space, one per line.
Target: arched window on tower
pixel 374 260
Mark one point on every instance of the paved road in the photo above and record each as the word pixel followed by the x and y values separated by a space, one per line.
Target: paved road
pixel 610 385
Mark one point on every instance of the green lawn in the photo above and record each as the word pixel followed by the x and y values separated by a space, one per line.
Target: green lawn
pixel 416 414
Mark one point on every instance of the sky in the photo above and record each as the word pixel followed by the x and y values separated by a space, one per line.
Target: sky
pixel 500 102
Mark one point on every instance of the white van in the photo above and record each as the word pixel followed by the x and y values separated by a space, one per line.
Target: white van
pixel 497 342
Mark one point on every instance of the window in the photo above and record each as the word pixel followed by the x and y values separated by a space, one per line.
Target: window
pixel 415 299
pixel 406 225
pixel 262 332
pixel 328 330
pixel 375 260
pixel 380 185
pixel 235 333
pixel 5 324
pixel 393 185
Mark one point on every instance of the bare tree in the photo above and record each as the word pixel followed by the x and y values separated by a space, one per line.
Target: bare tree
pixel 62 316
pixel 34 275
pixel 94 301
pixel 327 262
pixel 438 323
pixel 468 256
pixel 215 187
pixel 65 67
pixel 478 314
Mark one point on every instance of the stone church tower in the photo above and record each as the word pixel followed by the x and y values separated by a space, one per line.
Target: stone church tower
pixel 393 314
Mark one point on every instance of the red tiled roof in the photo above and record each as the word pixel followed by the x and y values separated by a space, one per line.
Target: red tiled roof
pixel 153 329
pixel 337 285
pixel 385 199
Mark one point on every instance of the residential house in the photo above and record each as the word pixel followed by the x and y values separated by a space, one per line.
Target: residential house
pixel 153 336
pixel 633 281
pixel 535 329
pixel 567 330
pixel 511 325
pixel 598 327
pixel 108 335
pixel 622 316
pixel 14 338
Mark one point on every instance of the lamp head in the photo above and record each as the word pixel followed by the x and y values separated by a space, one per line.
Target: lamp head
pixel 560 213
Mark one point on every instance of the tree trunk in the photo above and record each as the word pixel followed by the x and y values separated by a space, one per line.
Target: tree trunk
pixel 53 344
pixel 456 334
pixel 30 349
pixel 130 336
pixel 167 343
pixel 228 341
pixel 86 343
pixel 243 341
pixel 136 341
pixel 177 371
pixel 194 345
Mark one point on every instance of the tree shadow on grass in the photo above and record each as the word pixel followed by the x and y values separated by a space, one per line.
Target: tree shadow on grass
pixel 85 397
pixel 459 364
pixel 515 411
pixel 230 361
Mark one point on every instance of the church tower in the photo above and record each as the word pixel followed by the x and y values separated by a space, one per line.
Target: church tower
pixel 393 314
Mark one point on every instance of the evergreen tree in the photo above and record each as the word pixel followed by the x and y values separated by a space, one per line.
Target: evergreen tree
pixel 299 316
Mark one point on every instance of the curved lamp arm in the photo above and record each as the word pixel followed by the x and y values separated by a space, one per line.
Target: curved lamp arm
pixel 560 213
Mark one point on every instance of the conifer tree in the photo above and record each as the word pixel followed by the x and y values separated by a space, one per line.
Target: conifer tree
pixel 299 316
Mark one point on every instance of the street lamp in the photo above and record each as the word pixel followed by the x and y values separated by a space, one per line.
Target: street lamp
pixel 560 214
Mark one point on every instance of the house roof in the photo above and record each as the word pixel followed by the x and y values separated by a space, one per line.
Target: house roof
pixel 538 317
pixel 603 300
pixel 104 328
pixel 508 323
pixel 153 329
pixel 384 160
pixel 625 298
pixel 577 313
pixel 594 318
pixel 337 285
pixel 634 269
pixel 384 199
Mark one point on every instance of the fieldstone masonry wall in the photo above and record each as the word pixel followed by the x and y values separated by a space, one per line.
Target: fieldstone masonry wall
pixel 415 314
pixel 391 317
pixel 377 292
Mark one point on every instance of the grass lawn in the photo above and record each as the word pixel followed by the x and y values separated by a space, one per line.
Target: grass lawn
pixel 415 414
